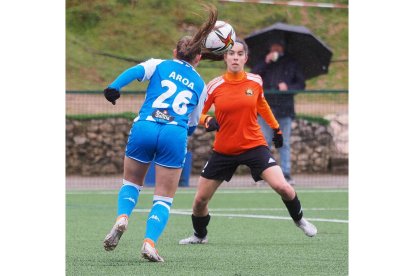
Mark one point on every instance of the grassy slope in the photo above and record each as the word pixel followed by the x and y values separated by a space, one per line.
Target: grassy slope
pixel 151 29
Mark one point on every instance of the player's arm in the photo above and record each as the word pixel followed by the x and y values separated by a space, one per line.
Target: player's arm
pixel 195 116
pixel 140 72
pixel 208 121
pixel 112 91
pixel 264 110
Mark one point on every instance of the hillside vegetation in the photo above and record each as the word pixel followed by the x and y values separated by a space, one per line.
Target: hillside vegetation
pixel 101 35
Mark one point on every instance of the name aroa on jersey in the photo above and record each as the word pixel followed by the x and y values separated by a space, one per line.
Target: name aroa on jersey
pixel 180 78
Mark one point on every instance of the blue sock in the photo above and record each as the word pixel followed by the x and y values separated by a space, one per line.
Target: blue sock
pixel 158 217
pixel 127 198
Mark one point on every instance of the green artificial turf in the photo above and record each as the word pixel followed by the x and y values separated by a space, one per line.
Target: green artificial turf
pixel 267 243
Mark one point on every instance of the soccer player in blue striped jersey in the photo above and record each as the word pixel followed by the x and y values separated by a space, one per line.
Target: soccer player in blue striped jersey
pixel 170 113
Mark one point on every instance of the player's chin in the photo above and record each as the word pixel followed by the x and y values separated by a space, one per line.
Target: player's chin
pixel 236 67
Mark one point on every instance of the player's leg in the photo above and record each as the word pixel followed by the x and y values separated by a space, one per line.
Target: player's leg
pixel 166 185
pixel 138 155
pixel 201 217
pixel 127 200
pixel 169 160
pixel 266 130
pixel 274 176
pixel 218 168
pixel 263 166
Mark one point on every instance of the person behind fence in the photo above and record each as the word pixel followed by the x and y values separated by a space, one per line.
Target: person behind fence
pixel 281 72
pixel 171 110
pixel 238 97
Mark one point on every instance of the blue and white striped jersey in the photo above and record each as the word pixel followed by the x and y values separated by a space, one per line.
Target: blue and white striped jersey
pixel 175 93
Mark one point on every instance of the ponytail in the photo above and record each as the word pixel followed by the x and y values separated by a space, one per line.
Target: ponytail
pixel 189 47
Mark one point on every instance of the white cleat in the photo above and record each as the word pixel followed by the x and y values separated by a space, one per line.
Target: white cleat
pixel 150 253
pixel 194 240
pixel 308 228
pixel 112 239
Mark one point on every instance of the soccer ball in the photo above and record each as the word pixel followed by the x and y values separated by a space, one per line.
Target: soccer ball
pixel 221 38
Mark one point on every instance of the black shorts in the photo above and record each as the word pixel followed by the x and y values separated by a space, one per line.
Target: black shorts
pixel 222 167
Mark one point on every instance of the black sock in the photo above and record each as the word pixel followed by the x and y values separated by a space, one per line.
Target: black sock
pixel 200 225
pixel 294 208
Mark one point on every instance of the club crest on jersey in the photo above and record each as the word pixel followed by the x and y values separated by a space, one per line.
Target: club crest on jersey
pixel 249 92
pixel 162 115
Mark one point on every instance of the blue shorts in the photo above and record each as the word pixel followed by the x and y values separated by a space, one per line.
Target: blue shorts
pixel 165 144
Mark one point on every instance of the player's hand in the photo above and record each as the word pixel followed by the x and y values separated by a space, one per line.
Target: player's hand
pixel 210 123
pixel 111 94
pixel 277 138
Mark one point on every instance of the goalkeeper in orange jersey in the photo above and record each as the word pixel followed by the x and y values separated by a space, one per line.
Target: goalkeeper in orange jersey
pixel 238 97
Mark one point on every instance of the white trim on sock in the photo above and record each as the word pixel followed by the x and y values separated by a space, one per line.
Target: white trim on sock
pixel 163 204
pixel 163 198
pixel 126 182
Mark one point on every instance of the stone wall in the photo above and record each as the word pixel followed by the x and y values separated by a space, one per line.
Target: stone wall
pixel 338 162
pixel 96 147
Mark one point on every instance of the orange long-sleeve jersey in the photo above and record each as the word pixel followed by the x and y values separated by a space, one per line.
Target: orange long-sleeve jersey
pixel 237 99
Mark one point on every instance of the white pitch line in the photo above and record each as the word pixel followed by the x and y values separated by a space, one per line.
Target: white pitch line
pixel 183 192
pixel 175 212
pixel 263 209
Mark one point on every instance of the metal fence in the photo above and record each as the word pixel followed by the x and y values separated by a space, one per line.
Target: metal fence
pixel 307 102
pixel 313 103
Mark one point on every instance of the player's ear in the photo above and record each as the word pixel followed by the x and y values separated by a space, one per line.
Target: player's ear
pixel 175 53
pixel 197 60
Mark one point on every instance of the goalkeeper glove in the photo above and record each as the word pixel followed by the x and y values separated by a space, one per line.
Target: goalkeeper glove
pixel 277 138
pixel 210 123
pixel 111 94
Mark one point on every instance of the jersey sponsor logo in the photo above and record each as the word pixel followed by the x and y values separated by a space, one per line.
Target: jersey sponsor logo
pixel 162 115
pixel 249 92
pixel 181 79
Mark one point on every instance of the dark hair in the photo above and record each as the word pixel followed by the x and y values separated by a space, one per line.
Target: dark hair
pixel 242 42
pixel 278 40
pixel 189 47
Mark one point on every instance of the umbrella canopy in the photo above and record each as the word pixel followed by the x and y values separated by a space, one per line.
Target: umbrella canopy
pixel 312 54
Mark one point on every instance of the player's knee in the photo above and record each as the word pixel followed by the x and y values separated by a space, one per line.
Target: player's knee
pixel 200 202
pixel 284 189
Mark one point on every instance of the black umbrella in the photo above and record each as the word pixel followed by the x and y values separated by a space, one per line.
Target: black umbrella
pixel 308 50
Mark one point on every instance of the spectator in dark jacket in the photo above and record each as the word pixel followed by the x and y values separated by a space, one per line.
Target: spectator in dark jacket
pixel 280 72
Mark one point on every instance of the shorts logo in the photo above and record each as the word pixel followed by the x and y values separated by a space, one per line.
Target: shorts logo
pixel 249 92
pixel 271 160
pixel 205 166
pixel 162 115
